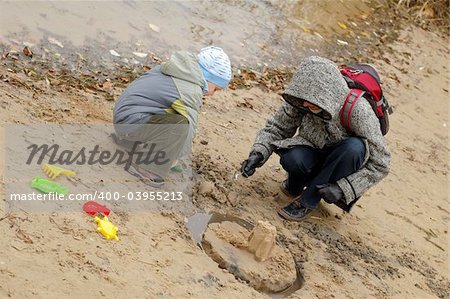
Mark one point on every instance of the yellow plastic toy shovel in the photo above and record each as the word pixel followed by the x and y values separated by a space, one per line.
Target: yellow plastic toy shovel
pixel 53 171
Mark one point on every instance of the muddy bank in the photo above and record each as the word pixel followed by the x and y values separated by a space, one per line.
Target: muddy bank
pixel 99 58
pixel 253 32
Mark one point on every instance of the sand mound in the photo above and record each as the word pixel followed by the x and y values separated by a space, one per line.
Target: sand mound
pixel 261 241
pixel 251 256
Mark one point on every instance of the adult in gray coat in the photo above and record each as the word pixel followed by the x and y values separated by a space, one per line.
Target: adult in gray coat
pixel 322 159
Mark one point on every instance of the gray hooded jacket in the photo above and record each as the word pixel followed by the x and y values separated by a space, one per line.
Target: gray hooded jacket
pixel 319 82
pixel 175 87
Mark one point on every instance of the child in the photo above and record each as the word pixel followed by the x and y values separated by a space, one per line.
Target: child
pixel 322 159
pixel 162 107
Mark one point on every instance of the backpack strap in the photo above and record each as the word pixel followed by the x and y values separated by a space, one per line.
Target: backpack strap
pixel 346 112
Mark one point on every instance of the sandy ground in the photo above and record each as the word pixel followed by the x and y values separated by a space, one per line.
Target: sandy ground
pixel 394 244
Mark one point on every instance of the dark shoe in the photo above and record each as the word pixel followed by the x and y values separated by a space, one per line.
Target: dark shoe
pixel 294 211
pixel 285 189
pixel 155 181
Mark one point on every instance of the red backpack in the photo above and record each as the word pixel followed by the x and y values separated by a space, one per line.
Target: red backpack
pixel 364 82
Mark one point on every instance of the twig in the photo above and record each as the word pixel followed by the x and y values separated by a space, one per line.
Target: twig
pixel 438 246
pixel 148 263
pixel 216 123
pixel 10 95
pixel 3 218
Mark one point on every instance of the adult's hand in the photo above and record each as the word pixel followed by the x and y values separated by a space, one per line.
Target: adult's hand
pixel 249 166
pixel 331 193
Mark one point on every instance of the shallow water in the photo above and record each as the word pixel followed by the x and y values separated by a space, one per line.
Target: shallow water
pixel 267 32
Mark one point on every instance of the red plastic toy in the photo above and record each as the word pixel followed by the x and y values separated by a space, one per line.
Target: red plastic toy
pixel 92 208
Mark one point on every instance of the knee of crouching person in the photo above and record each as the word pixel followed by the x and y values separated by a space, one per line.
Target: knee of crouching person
pixel 355 146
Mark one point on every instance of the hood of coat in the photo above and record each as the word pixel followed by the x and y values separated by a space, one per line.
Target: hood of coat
pixel 318 81
pixel 184 66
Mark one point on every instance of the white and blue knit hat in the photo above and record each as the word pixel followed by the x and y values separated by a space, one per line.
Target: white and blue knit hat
pixel 215 66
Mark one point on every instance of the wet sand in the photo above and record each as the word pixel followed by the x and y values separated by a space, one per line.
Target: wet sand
pixel 253 32
pixel 394 244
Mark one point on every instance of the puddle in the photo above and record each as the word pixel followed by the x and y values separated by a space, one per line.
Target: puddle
pixel 198 223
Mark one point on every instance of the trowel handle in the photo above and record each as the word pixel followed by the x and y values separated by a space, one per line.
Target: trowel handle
pixel 68 172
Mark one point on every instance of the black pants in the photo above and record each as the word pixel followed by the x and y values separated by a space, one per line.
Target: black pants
pixel 309 167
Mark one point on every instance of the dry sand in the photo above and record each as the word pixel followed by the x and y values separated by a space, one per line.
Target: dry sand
pixel 394 244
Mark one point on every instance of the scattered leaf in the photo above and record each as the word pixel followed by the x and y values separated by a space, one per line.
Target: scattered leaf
pixel 23 236
pixel 342 42
pixel 318 35
pixel 13 55
pixel 139 54
pixel 27 52
pixel 114 53
pixel 106 86
pixel 342 25
pixel 247 104
pixel 29 73
pixel 305 29
pixel 81 56
pixel 153 27
pixel 109 97
pixel 54 41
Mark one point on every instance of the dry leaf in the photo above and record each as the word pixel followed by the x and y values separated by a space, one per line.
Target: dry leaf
pixel 139 54
pixel 247 104
pixel 81 56
pixel 153 27
pixel 106 86
pixel 114 53
pixel 318 35
pixel 27 52
pixel 13 55
pixel 54 41
pixel 307 30
pixel 23 236
pixel 342 25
